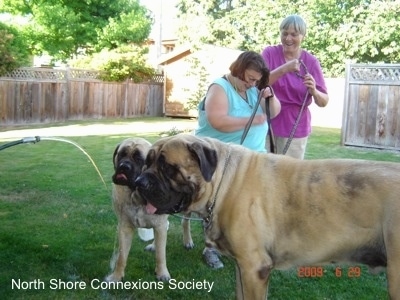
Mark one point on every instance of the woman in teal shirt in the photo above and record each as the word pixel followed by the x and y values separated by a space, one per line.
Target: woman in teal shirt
pixel 227 107
pixel 231 99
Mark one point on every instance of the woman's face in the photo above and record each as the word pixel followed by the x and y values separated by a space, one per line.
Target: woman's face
pixel 250 78
pixel 291 39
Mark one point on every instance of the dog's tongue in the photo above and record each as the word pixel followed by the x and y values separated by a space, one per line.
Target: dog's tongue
pixel 150 209
pixel 121 176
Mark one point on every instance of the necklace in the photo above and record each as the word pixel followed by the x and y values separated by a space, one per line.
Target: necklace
pixel 242 95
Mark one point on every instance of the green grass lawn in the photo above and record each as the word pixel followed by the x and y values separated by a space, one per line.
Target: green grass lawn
pixel 57 228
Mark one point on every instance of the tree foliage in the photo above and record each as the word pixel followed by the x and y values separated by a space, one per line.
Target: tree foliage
pixel 14 51
pixel 125 62
pixel 365 31
pixel 197 72
pixel 65 28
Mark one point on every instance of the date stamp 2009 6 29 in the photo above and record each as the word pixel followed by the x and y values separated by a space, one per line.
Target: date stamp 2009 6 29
pixel 311 272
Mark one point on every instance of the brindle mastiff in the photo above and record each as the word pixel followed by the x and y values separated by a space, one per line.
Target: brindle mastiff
pixel 274 212
pixel 128 159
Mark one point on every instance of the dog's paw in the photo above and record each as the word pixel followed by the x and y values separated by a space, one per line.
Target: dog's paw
pixel 375 270
pixel 164 277
pixel 188 245
pixel 150 247
pixel 113 278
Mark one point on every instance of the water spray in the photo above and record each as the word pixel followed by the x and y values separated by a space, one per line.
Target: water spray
pixel 37 139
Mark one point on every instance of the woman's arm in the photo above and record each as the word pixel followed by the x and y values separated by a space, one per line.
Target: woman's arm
pixel 216 107
pixel 320 98
pixel 291 66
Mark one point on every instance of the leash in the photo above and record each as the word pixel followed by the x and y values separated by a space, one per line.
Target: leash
pixel 248 125
pixel 303 105
pixel 187 218
pixel 207 220
pixel 296 123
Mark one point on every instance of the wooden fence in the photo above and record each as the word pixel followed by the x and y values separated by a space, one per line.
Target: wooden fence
pixel 371 112
pixel 36 95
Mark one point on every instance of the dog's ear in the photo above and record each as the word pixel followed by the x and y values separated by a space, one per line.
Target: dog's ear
pixel 150 157
pixel 115 153
pixel 207 158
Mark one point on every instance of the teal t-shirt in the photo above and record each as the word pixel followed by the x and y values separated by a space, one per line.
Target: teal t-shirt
pixel 255 139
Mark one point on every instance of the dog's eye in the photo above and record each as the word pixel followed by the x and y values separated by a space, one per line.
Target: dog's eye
pixel 122 154
pixel 137 157
pixel 167 169
pixel 170 171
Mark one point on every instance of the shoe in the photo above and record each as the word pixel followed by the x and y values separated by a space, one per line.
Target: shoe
pixel 211 256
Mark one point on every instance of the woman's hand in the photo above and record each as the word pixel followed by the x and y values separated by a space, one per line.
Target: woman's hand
pixel 274 103
pixel 321 99
pixel 293 65
pixel 267 92
pixel 259 119
pixel 309 82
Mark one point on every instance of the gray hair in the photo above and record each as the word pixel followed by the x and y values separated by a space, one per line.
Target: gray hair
pixel 296 21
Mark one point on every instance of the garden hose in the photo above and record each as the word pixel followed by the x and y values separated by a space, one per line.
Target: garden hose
pixel 38 139
pixel 21 141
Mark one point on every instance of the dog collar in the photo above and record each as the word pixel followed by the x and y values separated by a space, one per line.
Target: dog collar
pixel 207 220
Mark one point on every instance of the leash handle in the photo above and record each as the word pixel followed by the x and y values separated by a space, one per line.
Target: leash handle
pixel 270 133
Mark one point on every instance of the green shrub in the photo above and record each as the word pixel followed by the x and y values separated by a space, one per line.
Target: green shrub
pixel 125 67
pixel 120 64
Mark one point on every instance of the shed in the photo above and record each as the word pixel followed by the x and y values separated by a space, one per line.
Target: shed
pixel 188 72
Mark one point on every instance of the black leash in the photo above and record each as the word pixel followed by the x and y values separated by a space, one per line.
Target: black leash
pixel 248 125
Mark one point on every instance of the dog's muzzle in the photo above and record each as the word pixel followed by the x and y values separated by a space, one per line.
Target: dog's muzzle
pixel 125 174
pixel 161 198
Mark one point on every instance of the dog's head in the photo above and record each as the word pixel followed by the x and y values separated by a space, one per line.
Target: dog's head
pixel 175 172
pixel 128 158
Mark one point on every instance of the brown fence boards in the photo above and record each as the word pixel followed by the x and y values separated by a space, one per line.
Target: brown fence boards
pixel 371 114
pixel 36 95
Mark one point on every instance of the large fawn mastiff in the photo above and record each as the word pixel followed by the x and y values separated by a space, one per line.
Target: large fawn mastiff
pixel 273 212
pixel 128 160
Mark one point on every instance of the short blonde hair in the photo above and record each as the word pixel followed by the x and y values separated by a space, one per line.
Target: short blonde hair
pixel 296 21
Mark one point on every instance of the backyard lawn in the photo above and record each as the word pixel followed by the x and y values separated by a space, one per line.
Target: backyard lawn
pixel 58 228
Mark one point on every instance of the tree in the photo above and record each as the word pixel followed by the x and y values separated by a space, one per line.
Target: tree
pixel 197 73
pixel 65 28
pixel 14 51
pixel 358 30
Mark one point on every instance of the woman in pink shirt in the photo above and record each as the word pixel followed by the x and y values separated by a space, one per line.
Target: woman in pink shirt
pixel 296 77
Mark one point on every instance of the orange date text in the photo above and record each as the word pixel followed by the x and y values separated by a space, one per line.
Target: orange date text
pixel 308 272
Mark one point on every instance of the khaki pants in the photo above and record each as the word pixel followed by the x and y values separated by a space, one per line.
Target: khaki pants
pixel 297 147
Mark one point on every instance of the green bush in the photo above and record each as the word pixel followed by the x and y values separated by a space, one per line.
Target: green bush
pixel 125 67
pixel 127 62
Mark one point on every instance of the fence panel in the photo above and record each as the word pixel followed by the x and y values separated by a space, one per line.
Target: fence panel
pixel 371 114
pixel 36 95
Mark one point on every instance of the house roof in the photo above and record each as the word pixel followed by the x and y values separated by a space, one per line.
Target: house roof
pixel 183 51
pixel 175 55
